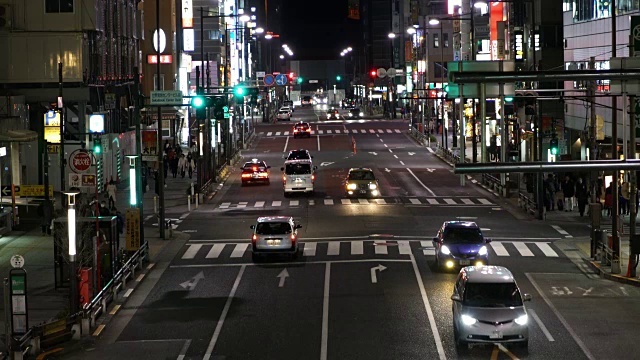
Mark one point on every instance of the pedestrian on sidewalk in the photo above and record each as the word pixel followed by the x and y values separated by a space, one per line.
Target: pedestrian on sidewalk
pixel 104 210
pixel 182 165
pixel 626 196
pixel 582 194
pixel 111 193
pixel 608 198
pixel 174 166
pixel 119 220
pixel 190 164
pixel 165 161
pixel 568 191
pixel 549 189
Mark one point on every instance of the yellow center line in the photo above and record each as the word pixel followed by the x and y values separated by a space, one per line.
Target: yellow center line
pixel 47 353
pixel 98 330
pixel 494 353
pixel 115 309
pixel 506 351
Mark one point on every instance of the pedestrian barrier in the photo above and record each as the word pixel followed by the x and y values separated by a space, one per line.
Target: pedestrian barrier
pixel 79 324
pixel 527 204
pixel 493 183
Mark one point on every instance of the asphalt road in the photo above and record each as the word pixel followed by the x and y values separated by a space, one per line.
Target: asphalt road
pixel 365 285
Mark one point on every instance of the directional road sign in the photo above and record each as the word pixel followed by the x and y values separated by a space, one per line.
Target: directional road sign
pixel 166 97
pixel 26 190
pixel 269 79
pixel 281 79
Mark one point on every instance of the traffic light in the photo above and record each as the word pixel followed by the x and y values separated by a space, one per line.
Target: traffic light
pixel 300 80
pixel 220 108
pixel 553 145
pixel 373 73
pixel 239 91
pixel 508 99
pixel 338 78
pixel 97 145
pixel 291 75
pixel 198 102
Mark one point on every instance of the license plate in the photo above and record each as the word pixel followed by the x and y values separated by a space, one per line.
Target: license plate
pixel 496 335
pixel 273 242
pixel 363 191
pixel 298 180
pixel 255 176
pixel 465 262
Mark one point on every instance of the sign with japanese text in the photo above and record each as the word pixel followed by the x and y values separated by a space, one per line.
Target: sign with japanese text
pixel 132 229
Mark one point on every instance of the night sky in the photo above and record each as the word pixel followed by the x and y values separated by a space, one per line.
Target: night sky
pixel 317 29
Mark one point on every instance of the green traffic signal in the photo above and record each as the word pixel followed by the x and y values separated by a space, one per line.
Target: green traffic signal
pixel 508 99
pixel 553 144
pixel 338 78
pixel 300 80
pixel 197 101
pixel 97 149
pixel 239 91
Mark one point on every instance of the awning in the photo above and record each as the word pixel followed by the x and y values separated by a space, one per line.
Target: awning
pixel 18 136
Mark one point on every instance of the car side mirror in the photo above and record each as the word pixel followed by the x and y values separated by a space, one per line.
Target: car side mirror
pixel 298 226
pixel 526 297
pixel 455 297
pixel 281 169
pixel 252 227
pixel 487 240
pixel 241 169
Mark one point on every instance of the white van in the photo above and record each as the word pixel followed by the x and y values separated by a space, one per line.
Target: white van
pixel 299 176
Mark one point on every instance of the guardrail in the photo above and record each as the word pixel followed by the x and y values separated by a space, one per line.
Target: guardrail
pixel 494 183
pixel 80 323
pixel 527 204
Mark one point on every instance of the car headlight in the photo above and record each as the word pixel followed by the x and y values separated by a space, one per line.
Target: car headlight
pixel 468 320
pixel 482 251
pixel 445 250
pixel 522 320
pixel 350 115
pixel 328 117
pixel 373 186
pixel 361 114
pixel 351 186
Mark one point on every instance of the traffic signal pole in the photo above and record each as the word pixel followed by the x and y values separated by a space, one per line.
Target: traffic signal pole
pixel 160 176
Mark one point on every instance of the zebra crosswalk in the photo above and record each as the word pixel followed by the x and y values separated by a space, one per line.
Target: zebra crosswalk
pixel 359 248
pixel 415 201
pixel 334 132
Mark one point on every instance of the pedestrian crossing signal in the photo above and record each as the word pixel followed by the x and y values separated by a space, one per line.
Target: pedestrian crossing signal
pixel 553 145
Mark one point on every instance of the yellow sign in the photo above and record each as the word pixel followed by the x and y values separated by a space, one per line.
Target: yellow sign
pixel 132 229
pixel 52 118
pixel 52 134
pixel 26 190
pixel 53 148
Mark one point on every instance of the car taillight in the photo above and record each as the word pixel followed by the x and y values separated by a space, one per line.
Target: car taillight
pixel 313 177
pixel 284 180
pixel 263 174
pixel 293 238
pixel 246 175
pixel 254 238
pixel 295 130
pixel 255 168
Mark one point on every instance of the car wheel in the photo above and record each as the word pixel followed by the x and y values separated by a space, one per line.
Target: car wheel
pixel 255 257
pixel 268 182
pixel 286 194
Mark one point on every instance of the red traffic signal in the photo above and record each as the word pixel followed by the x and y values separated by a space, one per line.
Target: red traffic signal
pixel 374 73
pixel 291 75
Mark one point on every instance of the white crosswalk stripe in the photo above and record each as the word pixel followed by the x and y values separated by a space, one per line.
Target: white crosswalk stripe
pixel 450 201
pixel 259 204
pixel 415 201
pixel 320 132
pixel 433 201
pixel 363 131
pixel 278 133
pixel 380 131
pixel 328 201
pixel 372 131
pixel 397 131
pixel 269 133
pixel 294 203
pixel 389 131
pixel 381 201
pixel 467 201
pixel 359 201
pixel 336 131
pixel 276 203
pixel 286 133
pixel 329 132
pixel 345 201
pixel 368 247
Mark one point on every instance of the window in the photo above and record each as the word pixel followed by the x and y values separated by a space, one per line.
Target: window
pixel 439 71
pixel 445 40
pixel 297 169
pixel 155 82
pixel 58 6
pixel 436 41
pixel 492 295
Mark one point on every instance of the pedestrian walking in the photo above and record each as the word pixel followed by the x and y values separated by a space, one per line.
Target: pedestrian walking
pixel 549 188
pixel 190 165
pixel 174 166
pixel 111 194
pixel 568 191
pixel 625 193
pixel 608 198
pixel 582 194
pixel 165 161
pixel 182 165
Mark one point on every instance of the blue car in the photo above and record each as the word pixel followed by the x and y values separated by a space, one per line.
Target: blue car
pixel 460 243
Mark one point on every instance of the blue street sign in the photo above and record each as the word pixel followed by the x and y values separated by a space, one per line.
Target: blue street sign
pixel 281 79
pixel 269 79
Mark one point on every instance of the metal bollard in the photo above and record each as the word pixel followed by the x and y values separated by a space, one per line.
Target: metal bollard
pixel 155 204
pixel 192 190
pixel 189 203
pixel 197 198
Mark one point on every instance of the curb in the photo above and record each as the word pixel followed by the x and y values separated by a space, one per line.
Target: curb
pixel 613 277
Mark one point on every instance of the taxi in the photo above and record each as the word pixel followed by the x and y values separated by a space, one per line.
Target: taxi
pixel 255 171
pixel 301 129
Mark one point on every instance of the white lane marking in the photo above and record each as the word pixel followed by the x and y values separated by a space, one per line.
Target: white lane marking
pixel 140 277
pixel 334 248
pixel 239 250
pixel 225 205
pixel 385 145
pixel 286 133
pixel 183 351
pixel 498 248
pixel 391 151
pixel 269 133
pixel 215 251
pixel 397 131
pixel 381 249
pixel 372 131
pixel 403 247
pixel 329 132
pixel 286 143
pixel 345 201
pixel 278 133
pixel 328 201
pixel 276 203
pixel 242 204
pixel 395 156
pixel 432 201
pixel 259 204
pixel 561 231
pixel 540 324
pixel 380 139
pixel 402 163
pixel 294 203
pixel 430 150
pixel 128 293
pixel 432 321
pixel 191 251
pixel 363 201
pixel 381 201
pixel 389 131
pixel 325 314
pixel 318 142
pixel 564 322
pixel 427 248
pixel 363 131
pixel 312 202
pixel 522 248
pixel 223 316
pixel 467 201
pixel 415 201
pixel 320 131
pixel 420 182
pixel 357 247
pixel 485 202
pixel 546 249
pixel 450 201
pixel 380 131
pixel 309 249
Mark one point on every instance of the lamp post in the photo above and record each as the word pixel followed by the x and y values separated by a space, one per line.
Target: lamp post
pixel 133 196
pixel 71 229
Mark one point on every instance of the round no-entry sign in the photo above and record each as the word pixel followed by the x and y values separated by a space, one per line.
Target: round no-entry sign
pixel 79 161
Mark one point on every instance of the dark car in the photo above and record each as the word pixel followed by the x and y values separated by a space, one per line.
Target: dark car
pixel 355 113
pixel 460 243
pixel 306 101
pixel 301 129
pixel 255 171
pixel 333 114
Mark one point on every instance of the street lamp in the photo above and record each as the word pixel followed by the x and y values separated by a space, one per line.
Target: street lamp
pixel 445 140
pixel 133 196
pixel 71 229
pixel 392 35
pixel 258 30
pixel 281 56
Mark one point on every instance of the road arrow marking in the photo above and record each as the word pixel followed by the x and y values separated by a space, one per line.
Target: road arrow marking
pixel 431 170
pixel 411 153
pixel 374 278
pixel 326 163
pixel 284 274
pixel 387 170
pixel 191 284
pixel 373 153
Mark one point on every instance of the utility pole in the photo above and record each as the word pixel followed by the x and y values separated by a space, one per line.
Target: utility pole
pixel 160 176
pixel 595 207
pixel 633 189
pixel 136 116
pixel 615 262
pixel 62 119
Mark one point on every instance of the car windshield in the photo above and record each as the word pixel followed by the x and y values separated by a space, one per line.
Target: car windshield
pixel 361 175
pixel 462 235
pixel 260 165
pixel 301 126
pixel 354 111
pixel 298 155
pixel 492 295
pixel 283 112
pixel 297 169
pixel 273 228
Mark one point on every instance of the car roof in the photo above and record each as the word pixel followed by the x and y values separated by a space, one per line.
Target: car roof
pixel 487 274
pixel 302 123
pixel 298 150
pixel 360 169
pixel 460 224
pixel 274 219
pixel 298 161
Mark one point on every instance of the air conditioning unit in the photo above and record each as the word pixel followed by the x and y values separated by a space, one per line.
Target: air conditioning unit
pixel 5 17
